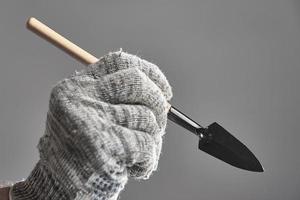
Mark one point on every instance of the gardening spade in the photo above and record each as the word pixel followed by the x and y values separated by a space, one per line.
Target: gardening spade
pixel 214 139
pixel 218 142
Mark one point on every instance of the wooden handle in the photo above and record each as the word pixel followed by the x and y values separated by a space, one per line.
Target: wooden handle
pixel 61 42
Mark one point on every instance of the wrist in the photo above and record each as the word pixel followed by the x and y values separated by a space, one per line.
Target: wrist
pixel 4 193
pixel 46 183
pixel 40 184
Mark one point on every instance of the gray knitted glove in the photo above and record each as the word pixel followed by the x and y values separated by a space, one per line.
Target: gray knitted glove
pixel 104 124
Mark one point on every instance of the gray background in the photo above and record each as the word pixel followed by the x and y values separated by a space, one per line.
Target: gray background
pixel 231 61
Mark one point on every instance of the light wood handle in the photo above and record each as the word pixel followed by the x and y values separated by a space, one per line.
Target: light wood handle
pixel 61 42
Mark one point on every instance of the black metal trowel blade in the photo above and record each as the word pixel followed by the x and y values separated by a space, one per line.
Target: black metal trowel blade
pixel 218 142
pixel 222 145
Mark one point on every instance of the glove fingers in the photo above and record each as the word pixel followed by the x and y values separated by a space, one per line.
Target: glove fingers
pixel 135 117
pixel 130 86
pixel 116 61
pixel 114 146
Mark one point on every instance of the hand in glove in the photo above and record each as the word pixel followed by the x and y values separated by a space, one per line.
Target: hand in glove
pixel 104 124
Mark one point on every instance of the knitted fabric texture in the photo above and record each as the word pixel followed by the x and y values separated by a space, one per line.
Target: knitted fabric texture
pixel 104 124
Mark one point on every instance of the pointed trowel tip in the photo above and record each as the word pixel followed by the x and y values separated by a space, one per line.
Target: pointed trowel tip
pixel 256 169
pixel 256 166
pixel 253 164
pixel 259 168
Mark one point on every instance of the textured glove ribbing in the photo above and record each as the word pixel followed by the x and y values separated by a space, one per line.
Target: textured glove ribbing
pixel 104 124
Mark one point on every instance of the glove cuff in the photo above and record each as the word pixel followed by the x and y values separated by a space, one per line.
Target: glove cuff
pixel 40 184
pixel 44 184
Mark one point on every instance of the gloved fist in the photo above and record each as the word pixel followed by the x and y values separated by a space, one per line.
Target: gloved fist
pixel 104 123
pixel 119 107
